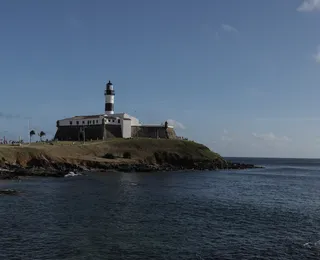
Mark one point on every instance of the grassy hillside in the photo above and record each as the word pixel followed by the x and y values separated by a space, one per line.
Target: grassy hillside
pixel 142 150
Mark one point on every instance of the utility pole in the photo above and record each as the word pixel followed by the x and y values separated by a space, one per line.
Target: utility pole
pixel 29 131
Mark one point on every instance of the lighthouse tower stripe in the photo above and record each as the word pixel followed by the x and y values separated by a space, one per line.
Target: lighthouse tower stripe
pixel 109 108
pixel 109 99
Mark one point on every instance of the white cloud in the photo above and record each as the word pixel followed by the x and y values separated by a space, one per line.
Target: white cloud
pixel 293 119
pixel 176 124
pixel 226 138
pixel 229 28
pixel 309 5
pixel 271 137
pixel 317 55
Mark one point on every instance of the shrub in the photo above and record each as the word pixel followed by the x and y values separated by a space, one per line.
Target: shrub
pixel 108 156
pixel 127 155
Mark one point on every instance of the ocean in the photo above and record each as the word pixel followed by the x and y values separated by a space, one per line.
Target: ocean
pixel 270 213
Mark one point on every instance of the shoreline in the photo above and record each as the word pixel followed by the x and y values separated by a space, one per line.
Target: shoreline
pixel 57 159
pixel 10 172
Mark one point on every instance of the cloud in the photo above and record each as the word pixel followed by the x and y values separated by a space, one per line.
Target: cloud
pixel 226 138
pixel 317 55
pixel 271 137
pixel 229 28
pixel 176 124
pixel 11 116
pixel 309 6
pixel 292 119
pixel 217 32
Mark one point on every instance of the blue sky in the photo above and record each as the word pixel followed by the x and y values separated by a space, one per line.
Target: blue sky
pixel 239 76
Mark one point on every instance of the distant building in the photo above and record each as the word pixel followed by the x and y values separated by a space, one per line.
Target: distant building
pixel 109 125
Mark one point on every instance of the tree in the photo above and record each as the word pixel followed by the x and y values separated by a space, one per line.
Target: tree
pixel 42 134
pixel 32 133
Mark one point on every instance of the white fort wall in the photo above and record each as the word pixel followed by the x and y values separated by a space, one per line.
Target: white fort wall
pixel 134 121
pixel 126 128
pixel 115 119
pixel 89 121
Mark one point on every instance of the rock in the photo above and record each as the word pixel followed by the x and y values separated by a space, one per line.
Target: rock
pixel 241 166
pixel 159 162
pixel 8 192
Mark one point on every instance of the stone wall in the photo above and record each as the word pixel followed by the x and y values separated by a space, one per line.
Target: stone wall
pixel 94 132
pixel 73 133
pixel 112 131
pixel 153 132
pixel 99 132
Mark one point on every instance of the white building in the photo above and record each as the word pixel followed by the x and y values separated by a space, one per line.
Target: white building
pixel 121 124
pixel 122 120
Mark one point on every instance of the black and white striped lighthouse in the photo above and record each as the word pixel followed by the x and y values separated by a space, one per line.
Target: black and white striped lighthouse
pixel 109 103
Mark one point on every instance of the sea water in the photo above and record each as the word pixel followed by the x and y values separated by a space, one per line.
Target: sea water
pixel 270 213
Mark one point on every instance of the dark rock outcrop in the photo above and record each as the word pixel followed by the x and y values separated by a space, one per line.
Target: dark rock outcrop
pixel 8 192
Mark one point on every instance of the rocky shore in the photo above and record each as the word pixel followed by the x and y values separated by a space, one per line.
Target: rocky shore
pixel 60 170
pixel 123 155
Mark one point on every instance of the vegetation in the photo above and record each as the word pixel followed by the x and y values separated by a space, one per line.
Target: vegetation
pixel 109 156
pixel 32 133
pixel 127 155
pixel 130 151
pixel 41 135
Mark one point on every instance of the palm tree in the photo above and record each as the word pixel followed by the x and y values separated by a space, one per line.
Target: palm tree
pixel 32 133
pixel 42 134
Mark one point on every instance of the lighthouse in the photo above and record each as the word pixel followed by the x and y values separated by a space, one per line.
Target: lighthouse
pixel 109 103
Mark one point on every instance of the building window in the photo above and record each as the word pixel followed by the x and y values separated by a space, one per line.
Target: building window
pixel 83 122
pixel 109 120
pixel 70 122
pixel 77 122
pixel 113 120
pixel 97 121
pixel 118 121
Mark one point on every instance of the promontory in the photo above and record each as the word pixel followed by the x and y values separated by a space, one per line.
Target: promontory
pixel 130 155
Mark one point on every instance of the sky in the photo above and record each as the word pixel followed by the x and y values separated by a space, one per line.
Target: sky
pixel 242 77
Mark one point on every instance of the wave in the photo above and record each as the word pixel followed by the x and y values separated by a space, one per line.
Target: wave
pixel 292 168
pixel 72 174
pixel 312 245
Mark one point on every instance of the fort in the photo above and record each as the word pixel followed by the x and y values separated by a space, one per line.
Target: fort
pixel 109 125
